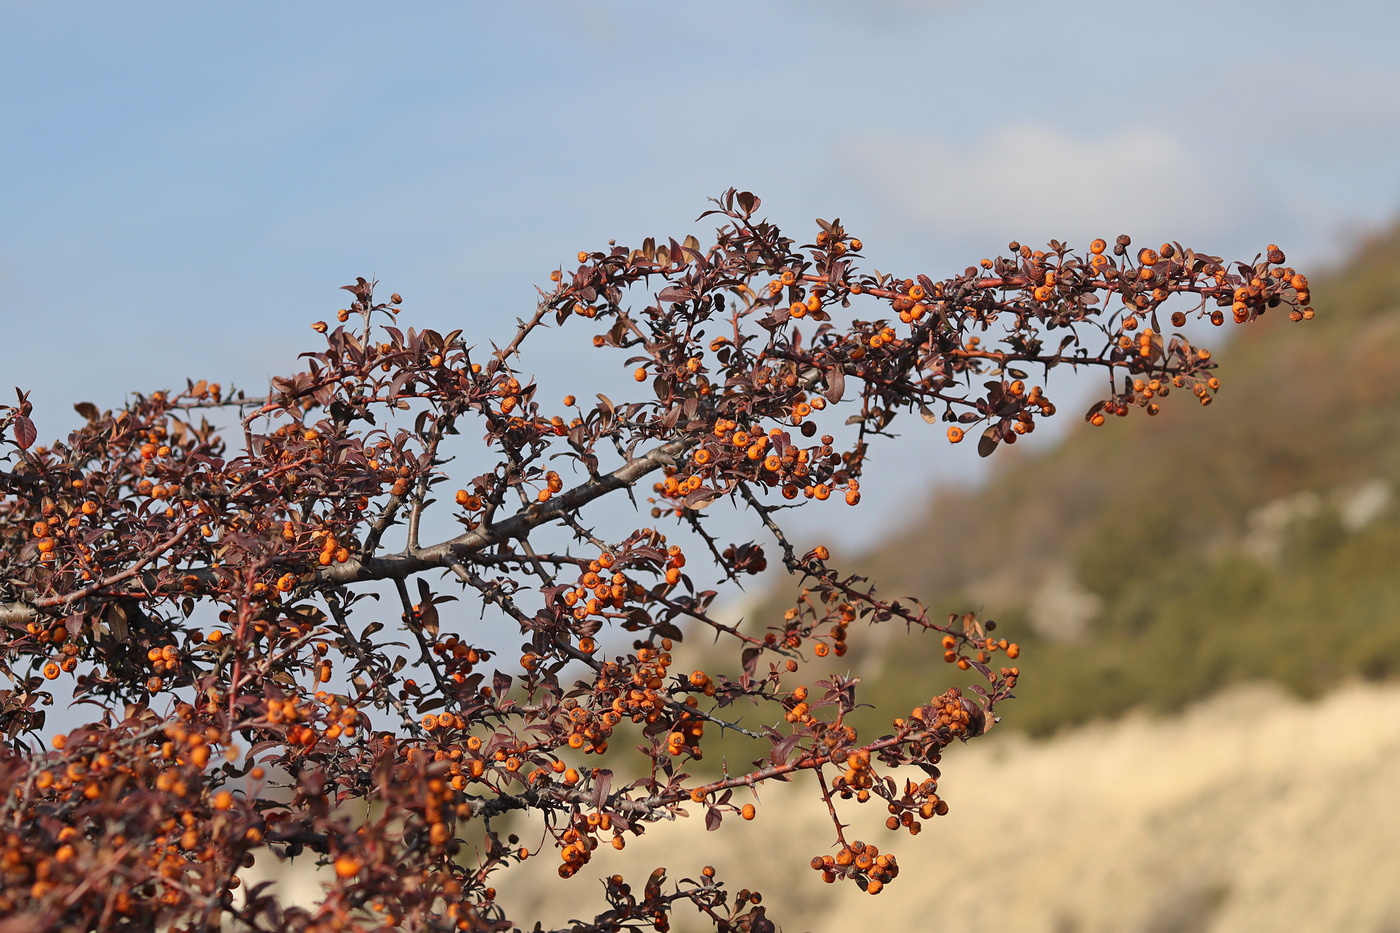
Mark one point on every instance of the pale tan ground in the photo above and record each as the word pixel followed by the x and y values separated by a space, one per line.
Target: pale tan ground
pixel 1250 812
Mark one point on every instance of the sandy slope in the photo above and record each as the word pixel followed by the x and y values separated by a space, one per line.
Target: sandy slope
pixel 1251 811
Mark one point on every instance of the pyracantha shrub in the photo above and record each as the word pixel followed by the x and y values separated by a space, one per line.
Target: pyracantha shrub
pixel 201 591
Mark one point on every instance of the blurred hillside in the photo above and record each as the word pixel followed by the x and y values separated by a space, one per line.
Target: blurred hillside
pixel 1250 812
pixel 1153 561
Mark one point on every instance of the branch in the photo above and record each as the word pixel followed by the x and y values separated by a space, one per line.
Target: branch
pixel 400 566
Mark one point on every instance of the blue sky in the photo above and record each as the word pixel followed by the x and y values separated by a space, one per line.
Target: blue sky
pixel 184 186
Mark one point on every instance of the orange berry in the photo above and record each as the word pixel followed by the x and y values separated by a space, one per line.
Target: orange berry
pixel 748 812
pixel 640 374
pixel 347 867
pixel 955 434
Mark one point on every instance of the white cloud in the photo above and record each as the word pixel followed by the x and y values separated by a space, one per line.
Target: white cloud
pixel 1312 104
pixel 1033 182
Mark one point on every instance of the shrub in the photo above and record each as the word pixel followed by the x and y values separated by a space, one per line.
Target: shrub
pixel 208 599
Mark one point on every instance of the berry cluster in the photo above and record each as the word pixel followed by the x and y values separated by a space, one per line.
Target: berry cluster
pixel 210 596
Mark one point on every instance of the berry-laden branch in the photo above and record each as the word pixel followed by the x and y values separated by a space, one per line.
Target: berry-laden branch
pixel 255 701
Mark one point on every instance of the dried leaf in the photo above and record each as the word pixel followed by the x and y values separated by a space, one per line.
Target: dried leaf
pixel 25 433
pixel 602 786
pixel 653 888
pixel 988 443
pixel 835 384
pixel 701 497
